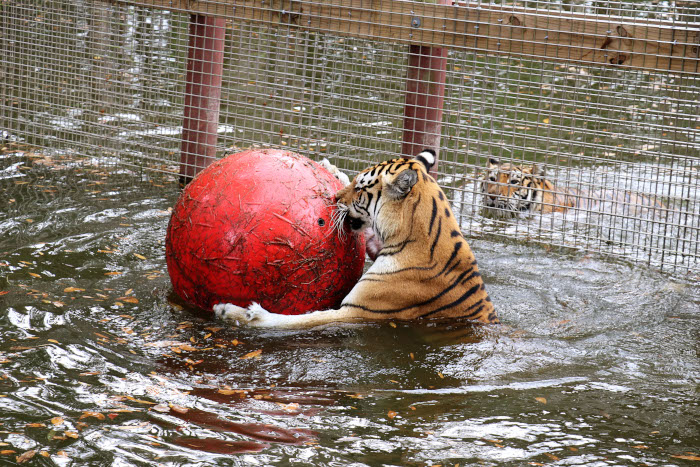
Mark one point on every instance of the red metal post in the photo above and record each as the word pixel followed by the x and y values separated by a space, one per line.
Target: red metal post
pixel 425 95
pixel 205 59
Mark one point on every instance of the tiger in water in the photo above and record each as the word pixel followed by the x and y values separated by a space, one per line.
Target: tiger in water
pixel 423 267
pixel 511 189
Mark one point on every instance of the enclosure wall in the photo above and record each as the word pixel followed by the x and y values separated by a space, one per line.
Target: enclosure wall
pixel 604 96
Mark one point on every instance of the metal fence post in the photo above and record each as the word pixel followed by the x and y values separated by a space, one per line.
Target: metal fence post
pixel 205 58
pixel 425 95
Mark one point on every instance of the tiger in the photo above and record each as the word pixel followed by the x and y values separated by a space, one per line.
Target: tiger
pixel 510 190
pixel 423 267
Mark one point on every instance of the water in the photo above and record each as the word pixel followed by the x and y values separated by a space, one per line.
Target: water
pixel 100 364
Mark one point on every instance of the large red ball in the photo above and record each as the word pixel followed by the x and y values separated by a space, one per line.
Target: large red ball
pixel 256 227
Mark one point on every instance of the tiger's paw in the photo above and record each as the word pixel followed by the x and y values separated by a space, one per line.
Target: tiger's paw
pixel 335 171
pixel 230 312
pixel 253 316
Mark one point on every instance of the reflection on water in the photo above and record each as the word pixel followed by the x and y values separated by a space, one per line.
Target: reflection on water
pixel 596 363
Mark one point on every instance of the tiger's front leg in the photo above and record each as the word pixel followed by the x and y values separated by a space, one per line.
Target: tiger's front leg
pixel 258 317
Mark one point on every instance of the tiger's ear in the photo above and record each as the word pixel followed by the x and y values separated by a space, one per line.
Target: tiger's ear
pixel 539 170
pixel 493 162
pixel 427 157
pixel 401 185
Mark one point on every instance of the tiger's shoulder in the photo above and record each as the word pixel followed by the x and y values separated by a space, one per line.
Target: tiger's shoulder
pixel 425 267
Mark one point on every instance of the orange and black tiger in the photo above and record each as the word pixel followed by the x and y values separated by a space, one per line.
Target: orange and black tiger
pixel 423 266
pixel 510 189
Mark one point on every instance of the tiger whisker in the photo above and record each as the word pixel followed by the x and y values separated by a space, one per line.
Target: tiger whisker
pixel 338 220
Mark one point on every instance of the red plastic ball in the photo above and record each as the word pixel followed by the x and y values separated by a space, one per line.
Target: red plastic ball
pixel 256 227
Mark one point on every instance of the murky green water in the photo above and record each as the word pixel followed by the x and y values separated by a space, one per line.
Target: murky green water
pixel 597 363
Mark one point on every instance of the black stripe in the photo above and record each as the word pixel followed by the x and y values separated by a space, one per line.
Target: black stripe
pixel 476 312
pixel 379 195
pixel 455 303
pixel 471 276
pixel 437 237
pixel 453 267
pixel 446 290
pixel 412 268
pixel 456 249
pixel 432 217
pixel 395 252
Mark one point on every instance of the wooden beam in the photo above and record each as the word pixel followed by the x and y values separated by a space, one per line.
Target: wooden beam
pixel 535 34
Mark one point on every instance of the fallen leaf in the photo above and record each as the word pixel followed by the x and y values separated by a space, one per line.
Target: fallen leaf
pixel 72 434
pixel 73 289
pixel 33 274
pixel 25 456
pixel 140 401
pixel 230 392
pixel 253 354
pixel 293 407
pixel 6 452
pixel 541 400
pixel 35 425
pixel 113 273
pixel 688 458
pixel 178 408
pixel 545 121
pixel 391 414
pixel 89 414
pixel 139 256
pixel 57 421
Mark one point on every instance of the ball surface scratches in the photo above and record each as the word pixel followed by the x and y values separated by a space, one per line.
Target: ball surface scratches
pixel 256 227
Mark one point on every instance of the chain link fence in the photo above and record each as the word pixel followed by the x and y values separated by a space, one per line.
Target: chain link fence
pixel 604 96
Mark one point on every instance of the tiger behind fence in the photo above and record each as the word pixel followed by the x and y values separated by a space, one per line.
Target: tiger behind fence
pixel 510 189
pixel 423 267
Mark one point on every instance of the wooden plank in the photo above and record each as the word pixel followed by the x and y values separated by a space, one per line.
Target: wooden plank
pixel 536 34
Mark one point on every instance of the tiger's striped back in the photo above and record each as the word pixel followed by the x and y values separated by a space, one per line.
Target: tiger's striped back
pixel 425 268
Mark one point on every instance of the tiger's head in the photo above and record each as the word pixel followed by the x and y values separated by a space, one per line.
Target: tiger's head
pixel 375 200
pixel 511 189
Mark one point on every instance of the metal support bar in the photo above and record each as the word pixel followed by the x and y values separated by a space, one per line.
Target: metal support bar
pixel 205 58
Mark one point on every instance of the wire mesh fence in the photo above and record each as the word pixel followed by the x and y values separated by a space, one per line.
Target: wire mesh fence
pixel 598 99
